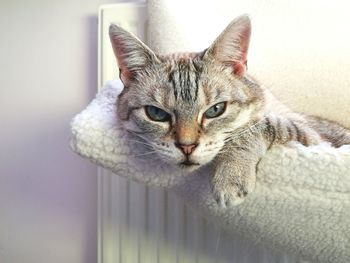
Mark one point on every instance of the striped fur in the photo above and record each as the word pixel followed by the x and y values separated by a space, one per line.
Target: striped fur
pixel 186 85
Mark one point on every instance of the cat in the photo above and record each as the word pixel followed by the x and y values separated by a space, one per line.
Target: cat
pixel 195 109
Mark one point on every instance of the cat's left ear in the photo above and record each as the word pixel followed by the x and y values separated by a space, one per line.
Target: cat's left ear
pixel 132 54
pixel 231 47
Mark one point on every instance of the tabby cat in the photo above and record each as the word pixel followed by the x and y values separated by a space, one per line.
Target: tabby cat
pixel 193 109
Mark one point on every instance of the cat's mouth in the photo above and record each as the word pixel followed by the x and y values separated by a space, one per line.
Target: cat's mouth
pixel 188 163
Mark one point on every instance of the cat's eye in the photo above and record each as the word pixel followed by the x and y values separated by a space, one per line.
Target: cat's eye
pixel 157 114
pixel 216 110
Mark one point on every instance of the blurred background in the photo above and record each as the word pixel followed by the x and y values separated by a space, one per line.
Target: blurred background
pixel 48 73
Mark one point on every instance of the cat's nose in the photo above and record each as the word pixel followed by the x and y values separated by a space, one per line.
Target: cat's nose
pixel 187 149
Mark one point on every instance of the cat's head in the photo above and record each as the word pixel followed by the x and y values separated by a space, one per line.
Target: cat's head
pixel 186 105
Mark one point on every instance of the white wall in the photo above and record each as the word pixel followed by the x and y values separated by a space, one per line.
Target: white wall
pixel 48 195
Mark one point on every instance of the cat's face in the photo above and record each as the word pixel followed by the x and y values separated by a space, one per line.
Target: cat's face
pixel 185 106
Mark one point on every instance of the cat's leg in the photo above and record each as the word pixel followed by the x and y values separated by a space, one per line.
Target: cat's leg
pixel 235 170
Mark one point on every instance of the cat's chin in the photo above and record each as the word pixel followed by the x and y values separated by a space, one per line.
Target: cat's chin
pixel 189 167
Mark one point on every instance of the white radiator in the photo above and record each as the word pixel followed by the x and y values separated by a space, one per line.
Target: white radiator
pixel 139 224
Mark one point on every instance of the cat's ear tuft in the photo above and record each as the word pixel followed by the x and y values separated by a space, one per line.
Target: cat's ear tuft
pixel 231 47
pixel 132 55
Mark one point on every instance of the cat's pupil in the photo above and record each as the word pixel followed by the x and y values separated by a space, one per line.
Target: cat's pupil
pixel 216 110
pixel 156 114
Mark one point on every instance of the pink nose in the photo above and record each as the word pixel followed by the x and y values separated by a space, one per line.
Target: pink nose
pixel 187 149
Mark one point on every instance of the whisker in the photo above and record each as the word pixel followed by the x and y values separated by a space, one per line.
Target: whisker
pixel 137 134
pixel 145 143
pixel 163 150
pixel 142 154
pixel 142 137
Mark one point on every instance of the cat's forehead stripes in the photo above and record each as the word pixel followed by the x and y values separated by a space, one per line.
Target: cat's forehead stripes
pixel 183 76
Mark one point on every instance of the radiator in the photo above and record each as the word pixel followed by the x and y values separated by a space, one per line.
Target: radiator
pixel 139 224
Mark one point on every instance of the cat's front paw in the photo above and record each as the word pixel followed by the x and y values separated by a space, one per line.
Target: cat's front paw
pixel 229 191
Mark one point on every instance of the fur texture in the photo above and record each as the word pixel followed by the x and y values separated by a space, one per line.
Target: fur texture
pixel 186 87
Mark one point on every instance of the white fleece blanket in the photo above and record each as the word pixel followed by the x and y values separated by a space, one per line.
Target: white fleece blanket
pixel 302 199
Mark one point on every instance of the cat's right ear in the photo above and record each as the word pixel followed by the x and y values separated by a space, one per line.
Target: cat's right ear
pixel 132 55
